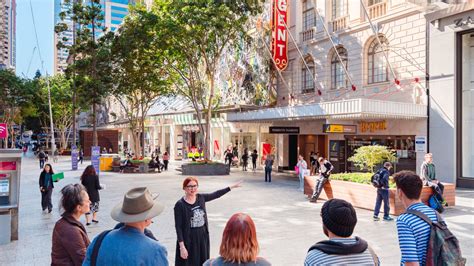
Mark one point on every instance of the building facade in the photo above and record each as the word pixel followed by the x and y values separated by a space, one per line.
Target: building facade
pixel 364 86
pixel 7 33
pixel 451 68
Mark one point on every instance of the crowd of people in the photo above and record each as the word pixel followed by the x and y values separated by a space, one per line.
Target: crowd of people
pixel 239 245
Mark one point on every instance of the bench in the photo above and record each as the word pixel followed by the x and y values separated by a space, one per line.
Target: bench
pixel 363 195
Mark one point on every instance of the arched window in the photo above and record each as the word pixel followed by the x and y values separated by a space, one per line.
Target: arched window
pixel 377 70
pixel 338 75
pixel 307 75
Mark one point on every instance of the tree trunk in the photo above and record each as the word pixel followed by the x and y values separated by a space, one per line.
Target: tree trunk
pixel 207 141
pixel 62 141
pixel 143 135
pixel 95 140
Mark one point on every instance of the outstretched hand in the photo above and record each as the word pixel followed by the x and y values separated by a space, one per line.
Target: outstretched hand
pixel 236 185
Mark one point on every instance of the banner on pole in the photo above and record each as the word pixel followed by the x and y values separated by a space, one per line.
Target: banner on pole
pixel 280 33
pixel 95 158
pixel 74 155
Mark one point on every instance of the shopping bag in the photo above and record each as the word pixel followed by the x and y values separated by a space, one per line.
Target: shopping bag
pixel 57 177
pixel 297 170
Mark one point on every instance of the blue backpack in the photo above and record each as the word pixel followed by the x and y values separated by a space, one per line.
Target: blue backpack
pixel 434 203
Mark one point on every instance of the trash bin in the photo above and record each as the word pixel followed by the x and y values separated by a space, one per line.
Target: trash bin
pixel 106 161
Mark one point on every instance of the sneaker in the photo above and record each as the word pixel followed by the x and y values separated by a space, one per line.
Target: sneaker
pixel 388 219
pixel 50 210
pixel 313 200
pixel 95 221
pixel 376 218
pixel 88 224
pixel 444 203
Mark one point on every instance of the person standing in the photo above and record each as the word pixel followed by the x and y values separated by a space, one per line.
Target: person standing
pixel 128 244
pixel 81 155
pixel 268 167
pixel 70 240
pixel 55 155
pixel 339 220
pixel 428 176
pixel 46 187
pixel 239 244
pixel 383 193
pixel 42 158
pixel 302 167
pixel 166 160
pixel 245 159
pixel 90 180
pixel 229 157
pixel 254 156
pixel 192 230
pixel 325 168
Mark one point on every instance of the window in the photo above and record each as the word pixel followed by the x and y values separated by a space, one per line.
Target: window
pixel 307 74
pixel 377 70
pixel 309 16
pixel 338 75
pixel 339 8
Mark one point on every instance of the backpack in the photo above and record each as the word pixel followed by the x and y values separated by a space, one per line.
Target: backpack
pixel 376 179
pixel 443 246
pixel 434 203
pixel 41 155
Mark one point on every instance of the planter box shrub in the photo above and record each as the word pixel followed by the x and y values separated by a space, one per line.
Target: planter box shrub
pixel 363 195
pixel 207 168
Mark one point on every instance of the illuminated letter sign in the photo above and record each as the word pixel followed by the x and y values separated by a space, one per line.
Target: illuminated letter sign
pixel 280 34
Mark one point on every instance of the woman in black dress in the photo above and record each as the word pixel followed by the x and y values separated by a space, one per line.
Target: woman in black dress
pixel 46 187
pixel 192 247
pixel 90 181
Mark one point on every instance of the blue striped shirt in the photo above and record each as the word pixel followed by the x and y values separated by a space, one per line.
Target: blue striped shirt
pixel 317 257
pixel 414 234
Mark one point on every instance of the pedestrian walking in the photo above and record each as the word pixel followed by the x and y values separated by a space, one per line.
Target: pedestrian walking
pixel 70 240
pixel 245 159
pixel 192 230
pixel 339 220
pixel 325 169
pixel 81 155
pixel 428 176
pixel 46 187
pixel 229 157
pixel 128 245
pixel 302 166
pixel 383 193
pixel 268 167
pixel 166 160
pixel 239 245
pixel 55 155
pixel 42 158
pixel 254 156
pixel 90 180
pixel 419 227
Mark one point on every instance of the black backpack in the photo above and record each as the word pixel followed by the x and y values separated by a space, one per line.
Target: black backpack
pixel 376 179
pixel 443 246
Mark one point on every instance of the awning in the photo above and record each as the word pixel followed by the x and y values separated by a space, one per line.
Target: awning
pixel 189 119
pixel 344 109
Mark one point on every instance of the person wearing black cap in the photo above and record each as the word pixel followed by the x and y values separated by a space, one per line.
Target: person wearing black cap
pixel 339 219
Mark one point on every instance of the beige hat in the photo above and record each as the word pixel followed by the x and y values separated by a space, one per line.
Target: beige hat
pixel 138 205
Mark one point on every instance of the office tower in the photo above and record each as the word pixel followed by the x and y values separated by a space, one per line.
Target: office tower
pixel 7 33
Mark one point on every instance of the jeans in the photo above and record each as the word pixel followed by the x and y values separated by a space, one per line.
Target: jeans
pixel 166 164
pixel 46 199
pixel 301 177
pixel 268 173
pixel 382 194
pixel 41 164
pixel 438 190
pixel 318 188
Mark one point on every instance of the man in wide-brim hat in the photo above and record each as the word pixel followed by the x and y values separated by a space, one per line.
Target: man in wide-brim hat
pixel 129 245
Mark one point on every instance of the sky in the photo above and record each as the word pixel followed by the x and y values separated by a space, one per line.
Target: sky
pixel 43 11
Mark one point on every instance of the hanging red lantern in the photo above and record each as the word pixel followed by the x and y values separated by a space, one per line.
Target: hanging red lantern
pixel 397 81
pixel 417 79
pixel 319 92
pixel 354 88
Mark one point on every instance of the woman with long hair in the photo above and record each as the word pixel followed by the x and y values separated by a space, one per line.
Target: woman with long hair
pixel 239 244
pixel 46 187
pixel 90 180
pixel 70 240
pixel 192 230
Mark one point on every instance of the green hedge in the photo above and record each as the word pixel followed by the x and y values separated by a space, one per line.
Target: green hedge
pixel 361 178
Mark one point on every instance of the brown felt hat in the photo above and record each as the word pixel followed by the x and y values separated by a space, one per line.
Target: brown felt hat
pixel 138 205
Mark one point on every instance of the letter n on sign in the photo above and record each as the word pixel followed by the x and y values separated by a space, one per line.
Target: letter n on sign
pixel 280 33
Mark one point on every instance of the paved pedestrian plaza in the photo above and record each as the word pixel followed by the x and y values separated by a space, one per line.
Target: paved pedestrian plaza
pixel 287 224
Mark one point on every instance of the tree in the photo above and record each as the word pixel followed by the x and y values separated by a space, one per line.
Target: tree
pixel 139 75
pixel 367 157
pixel 92 62
pixel 196 34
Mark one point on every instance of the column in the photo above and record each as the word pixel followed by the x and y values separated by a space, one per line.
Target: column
pixel 222 143
pixel 172 142
pixel 258 148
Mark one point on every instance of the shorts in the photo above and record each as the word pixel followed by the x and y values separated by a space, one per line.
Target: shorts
pixel 94 207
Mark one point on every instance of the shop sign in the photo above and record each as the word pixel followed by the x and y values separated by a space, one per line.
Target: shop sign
pixel 280 34
pixel 3 131
pixel 336 128
pixel 463 22
pixel 372 126
pixel 7 166
pixel 284 130
pixel 420 143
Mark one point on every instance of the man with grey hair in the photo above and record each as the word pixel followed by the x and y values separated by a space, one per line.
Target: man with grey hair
pixel 428 176
pixel 383 193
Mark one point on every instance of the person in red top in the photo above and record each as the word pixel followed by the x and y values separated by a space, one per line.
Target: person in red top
pixel 166 160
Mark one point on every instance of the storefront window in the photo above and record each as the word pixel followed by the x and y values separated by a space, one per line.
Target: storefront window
pixel 467 105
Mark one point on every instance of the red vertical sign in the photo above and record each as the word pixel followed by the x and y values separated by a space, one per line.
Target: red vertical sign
pixel 280 33
pixel 3 131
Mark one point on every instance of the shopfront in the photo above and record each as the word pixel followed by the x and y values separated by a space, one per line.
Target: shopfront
pixel 451 66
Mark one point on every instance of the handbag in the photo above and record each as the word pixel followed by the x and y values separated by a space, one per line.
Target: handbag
pixel 297 170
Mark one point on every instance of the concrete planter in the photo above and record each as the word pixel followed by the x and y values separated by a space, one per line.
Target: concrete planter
pixel 363 195
pixel 205 169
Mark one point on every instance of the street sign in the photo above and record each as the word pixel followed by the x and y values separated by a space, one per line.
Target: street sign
pixel 95 158
pixel 337 128
pixel 420 143
pixel 284 130
pixel 3 131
